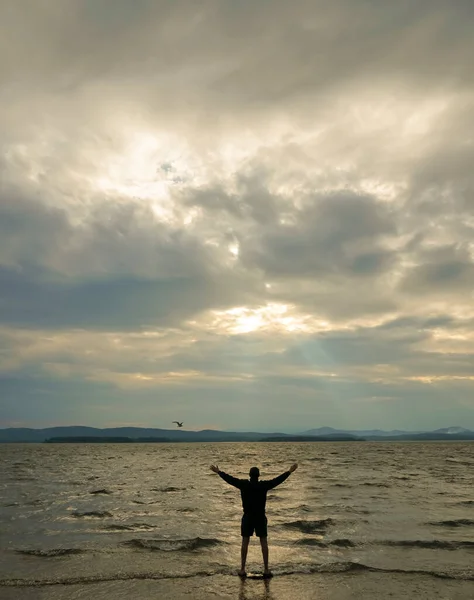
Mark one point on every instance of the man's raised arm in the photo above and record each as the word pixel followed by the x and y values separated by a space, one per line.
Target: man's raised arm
pixel 226 477
pixel 272 483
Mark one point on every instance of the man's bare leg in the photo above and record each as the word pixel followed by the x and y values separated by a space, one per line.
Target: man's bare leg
pixel 264 545
pixel 243 555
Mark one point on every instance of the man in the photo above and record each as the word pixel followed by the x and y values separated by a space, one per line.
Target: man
pixel 254 497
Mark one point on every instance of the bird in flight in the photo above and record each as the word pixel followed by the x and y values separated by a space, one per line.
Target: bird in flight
pixel 178 423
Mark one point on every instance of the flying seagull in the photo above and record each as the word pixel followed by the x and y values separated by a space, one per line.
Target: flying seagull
pixel 178 423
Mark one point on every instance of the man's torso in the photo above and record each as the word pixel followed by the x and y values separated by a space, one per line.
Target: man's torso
pixel 254 498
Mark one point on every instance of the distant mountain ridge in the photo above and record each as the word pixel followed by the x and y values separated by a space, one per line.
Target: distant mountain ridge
pixel 456 430
pixel 362 432
pixel 453 430
pixel 23 435
pixel 173 435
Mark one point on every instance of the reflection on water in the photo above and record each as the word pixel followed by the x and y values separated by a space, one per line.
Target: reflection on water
pixel 255 590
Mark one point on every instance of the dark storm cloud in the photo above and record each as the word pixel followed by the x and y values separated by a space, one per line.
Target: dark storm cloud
pixel 29 231
pixel 250 201
pixel 117 269
pixel 316 250
pixel 112 303
pixel 263 52
pixel 446 270
pixel 340 233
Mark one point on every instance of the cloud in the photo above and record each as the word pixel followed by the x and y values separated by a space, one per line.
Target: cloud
pixel 119 267
pixel 338 234
pixel 443 271
pixel 239 203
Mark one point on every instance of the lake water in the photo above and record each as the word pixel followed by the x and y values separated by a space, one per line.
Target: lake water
pixel 151 520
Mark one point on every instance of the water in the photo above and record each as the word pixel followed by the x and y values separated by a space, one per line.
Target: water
pixel 79 515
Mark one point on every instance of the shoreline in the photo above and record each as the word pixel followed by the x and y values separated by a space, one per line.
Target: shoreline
pixel 316 586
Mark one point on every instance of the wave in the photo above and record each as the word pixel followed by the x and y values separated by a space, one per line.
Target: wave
pixel 129 527
pixel 358 511
pixel 428 544
pixel 346 508
pixel 453 523
pixel 169 488
pixel 279 571
pixel 99 514
pixel 317 526
pixel 431 544
pixel 54 552
pixel 460 461
pixel 102 491
pixel 375 484
pixel 339 543
pixel 164 545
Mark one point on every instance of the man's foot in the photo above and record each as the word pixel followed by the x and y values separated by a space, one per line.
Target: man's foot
pixel 267 573
pixel 242 573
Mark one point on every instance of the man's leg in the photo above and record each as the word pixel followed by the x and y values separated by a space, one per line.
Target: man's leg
pixel 261 531
pixel 246 530
pixel 264 545
pixel 243 554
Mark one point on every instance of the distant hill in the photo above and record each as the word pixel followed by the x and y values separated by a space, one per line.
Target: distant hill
pixel 23 435
pixel 446 433
pixel 141 434
pixel 314 438
pixel 427 436
pixel 453 430
pixel 91 439
pixel 362 432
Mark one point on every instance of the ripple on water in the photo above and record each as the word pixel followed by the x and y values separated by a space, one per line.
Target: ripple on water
pixel 92 514
pixel 453 523
pixel 51 553
pixel 310 526
pixel 166 545
pixel 339 543
pixel 128 527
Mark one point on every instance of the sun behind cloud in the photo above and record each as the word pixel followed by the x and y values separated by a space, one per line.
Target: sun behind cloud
pixel 271 317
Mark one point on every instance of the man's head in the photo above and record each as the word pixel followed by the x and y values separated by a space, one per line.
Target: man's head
pixel 254 473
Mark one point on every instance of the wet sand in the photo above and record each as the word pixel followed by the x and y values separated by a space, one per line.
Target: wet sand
pixel 367 586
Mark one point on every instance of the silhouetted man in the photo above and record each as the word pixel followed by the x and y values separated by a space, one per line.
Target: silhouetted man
pixel 254 497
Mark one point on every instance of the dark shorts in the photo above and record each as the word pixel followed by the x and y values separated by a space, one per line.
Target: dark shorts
pixel 250 524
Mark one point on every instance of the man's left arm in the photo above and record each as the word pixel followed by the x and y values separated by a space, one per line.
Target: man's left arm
pixel 272 483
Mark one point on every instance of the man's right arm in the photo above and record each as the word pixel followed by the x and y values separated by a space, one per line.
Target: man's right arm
pixel 231 480
pixel 226 477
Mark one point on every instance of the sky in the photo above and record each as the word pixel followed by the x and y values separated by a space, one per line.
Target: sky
pixel 242 214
